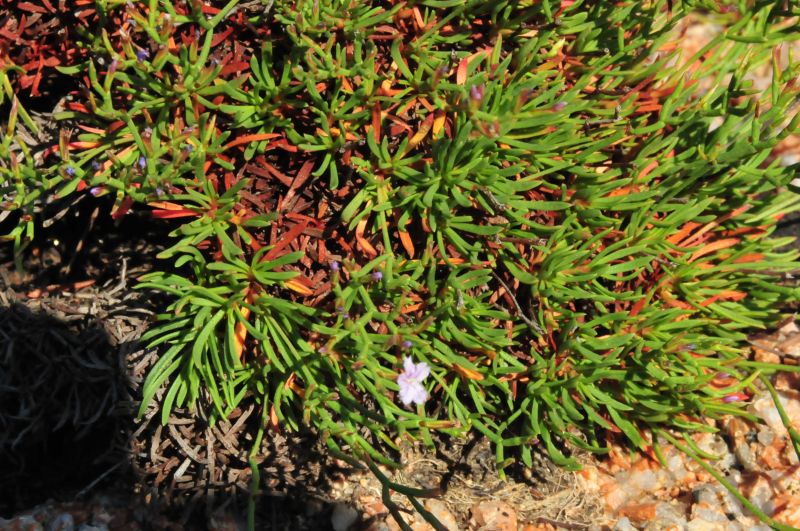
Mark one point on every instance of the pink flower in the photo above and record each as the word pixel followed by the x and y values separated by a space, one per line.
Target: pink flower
pixel 734 397
pixel 410 382
pixel 476 93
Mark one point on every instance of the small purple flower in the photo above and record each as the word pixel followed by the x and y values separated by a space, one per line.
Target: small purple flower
pixel 407 344
pixel 376 276
pixel 335 266
pixel 96 165
pixel 735 397
pixel 96 190
pixel 113 67
pixel 410 382
pixel 70 171
pixel 142 162
pixel 141 55
pixel 476 93
pixel 560 106
pixel 342 312
pixel 159 191
pixel 188 148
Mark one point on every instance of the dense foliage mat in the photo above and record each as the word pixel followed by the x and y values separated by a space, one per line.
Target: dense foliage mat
pixel 525 218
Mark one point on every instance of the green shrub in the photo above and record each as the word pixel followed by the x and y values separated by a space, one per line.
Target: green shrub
pixel 533 199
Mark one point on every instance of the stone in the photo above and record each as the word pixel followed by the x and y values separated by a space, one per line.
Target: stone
pixel 730 504
pixel 411 521
pixel 698 524
pixel 744 454
pixel 643 480
pixel 614 496
pixel 391 525
pixel 416 523
pixel 788 326
pixel 657 525
pixel 709 512
pixel 62 522
pixel 789 150
pixel 765 408
pixel 79 514
pixel 675 465
pixel 343 517
pixel 788 510
pixel 671 514
pixel 440 511
pixel 766 436
pixel 538 527
pixel 793 458
pixel 100 513
pixel 494 516
pixel 624 524
pixel 737 429
pixel 21 523
pixel 758 489
pixel 704 494
pixel 766 356
pixel 589 478
pixel 772 457
pixel 788 383
pixel 787 481
pixel 618 459
pixel 372 506
pixel 711 443
pixel 640 512
pixel 791 345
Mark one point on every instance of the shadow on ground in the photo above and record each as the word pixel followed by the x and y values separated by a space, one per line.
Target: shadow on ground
pixel 59 384
pixel 70 373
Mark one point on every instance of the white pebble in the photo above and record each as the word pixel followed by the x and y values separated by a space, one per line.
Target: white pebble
pixel 645 480
pixel 624 524
pixel 765 408
pixel 63 522
pixel 766 436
